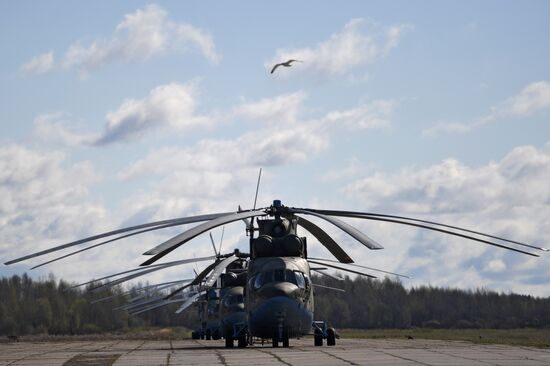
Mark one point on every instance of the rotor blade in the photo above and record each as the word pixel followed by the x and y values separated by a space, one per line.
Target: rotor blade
pixel 218 270
pixel 196 281
pixel 180 221
pixel 137 304
pixel 246 221
pixel 155 306
pixel 328 275
pixel 171 244
pixel 356 214
pixel 358 265
pixel 124 279
pixel 443 231
pixel 328 287
pixel 171 283
pixel 221 240
pixel 325 240
pixel 104 299
pixel 213 245
pixel 356 234
pixel 167 264
pixel 343 269
pixel 188 303
pixel 142 273
pixel 105 242
pixel 157 289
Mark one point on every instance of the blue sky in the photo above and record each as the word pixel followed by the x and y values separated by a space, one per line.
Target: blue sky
pixel 129 112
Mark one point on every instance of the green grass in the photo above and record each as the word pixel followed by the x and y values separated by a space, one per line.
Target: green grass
pixel 515 337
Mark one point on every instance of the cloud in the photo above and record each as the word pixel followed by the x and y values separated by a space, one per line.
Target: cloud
pixel 280 109
pixel 42 197
pixel 170 105
pixel 359 43
pixel 509 198
pixel 52 127
pixel 368 115
pixel 496 265
pixel 267 147
pixel 272 144
pixel 166 105
pixel 143 34
pixel 533 98
pixel 40 64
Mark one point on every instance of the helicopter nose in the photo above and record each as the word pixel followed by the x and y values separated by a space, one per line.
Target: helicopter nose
pixel 274 289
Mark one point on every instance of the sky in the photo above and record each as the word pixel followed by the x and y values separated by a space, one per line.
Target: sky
pixel 120 113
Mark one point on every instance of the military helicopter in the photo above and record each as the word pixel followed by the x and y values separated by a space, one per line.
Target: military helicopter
pixel 278 294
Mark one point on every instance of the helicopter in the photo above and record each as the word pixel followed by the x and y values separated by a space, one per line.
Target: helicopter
pixel 278 296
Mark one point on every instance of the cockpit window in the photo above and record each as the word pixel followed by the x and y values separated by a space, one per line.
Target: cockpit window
pixel 233 300
pixel 300 281
pixel 280 275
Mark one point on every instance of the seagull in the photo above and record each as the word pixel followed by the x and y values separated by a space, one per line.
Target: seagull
pixel 285 64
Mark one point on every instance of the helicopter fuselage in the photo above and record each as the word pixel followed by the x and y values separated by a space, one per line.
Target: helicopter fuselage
pixel 279 299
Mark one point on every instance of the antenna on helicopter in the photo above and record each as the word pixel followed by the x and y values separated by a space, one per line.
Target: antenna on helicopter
pixel 251 226
pixel 257 189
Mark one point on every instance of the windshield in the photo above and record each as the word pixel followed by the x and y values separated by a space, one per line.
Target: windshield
pixel 279 275
pixel 233 300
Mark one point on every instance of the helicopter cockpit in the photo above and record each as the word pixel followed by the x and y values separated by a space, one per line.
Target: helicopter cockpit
pixel 280 275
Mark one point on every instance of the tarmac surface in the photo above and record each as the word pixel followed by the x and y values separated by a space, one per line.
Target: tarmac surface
pixel 301 352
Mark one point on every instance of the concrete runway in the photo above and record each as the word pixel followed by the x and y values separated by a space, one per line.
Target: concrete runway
pixel 302 352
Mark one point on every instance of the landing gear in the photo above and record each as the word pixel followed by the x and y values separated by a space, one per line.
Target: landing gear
pixel 331 337
pixel 208 335
pixel 286 342
pixel 228 340
pixel 318 338
pixel 275 341
pixel 321 331
pixel 195 335
pixel 216 335
pixel 242 341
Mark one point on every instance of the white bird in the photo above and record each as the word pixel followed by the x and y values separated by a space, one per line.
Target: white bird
pixel 285 64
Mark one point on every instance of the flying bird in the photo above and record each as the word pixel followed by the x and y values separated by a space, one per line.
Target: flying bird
pixel 285 64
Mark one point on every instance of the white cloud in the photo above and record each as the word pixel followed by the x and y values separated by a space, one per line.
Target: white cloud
pixel 142 34
pixel 52 127
pixel 359 43
pixel 280 109
pixel 269 145
pixel 509 198
pixel 368 115
pixel 496 265
pixel 533 98
pixel 40 64
pixel 171 105
pixel 166 105
pixel 43 198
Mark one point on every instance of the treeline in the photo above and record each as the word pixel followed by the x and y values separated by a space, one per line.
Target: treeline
pixel 53 307
pixel 387 304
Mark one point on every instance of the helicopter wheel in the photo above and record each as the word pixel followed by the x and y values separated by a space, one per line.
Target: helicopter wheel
pixel 242 341
pixel 318 338
pixel 331 337
pixel 229 342
pixel 208 335
pixel 286 342
pixel 275 341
